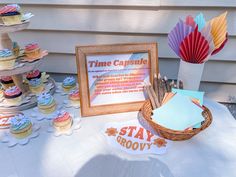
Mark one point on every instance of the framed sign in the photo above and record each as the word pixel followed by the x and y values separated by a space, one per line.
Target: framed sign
pixel 111 77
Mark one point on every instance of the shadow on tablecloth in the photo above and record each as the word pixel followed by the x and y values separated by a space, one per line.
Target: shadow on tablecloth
pixel 113 166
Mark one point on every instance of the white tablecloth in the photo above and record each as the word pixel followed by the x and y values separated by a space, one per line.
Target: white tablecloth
pixel 85 153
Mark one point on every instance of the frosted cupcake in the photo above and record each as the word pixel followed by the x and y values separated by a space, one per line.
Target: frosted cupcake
pixel 36 85
pixel 7 59
pixel 21 126
pixel 35 74
pixel 74 97
pixel 63 121
pixel 32 52
pixel 6 82
pixel 10 14
pixel 46 103
pixel 68 84
pixel 13 95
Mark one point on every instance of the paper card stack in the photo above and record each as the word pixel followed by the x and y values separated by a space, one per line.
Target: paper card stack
pixel 180 110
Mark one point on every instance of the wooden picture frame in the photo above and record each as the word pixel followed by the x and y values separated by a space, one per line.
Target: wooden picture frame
pixel 106 73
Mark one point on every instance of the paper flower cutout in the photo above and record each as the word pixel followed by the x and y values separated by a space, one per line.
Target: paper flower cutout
pixel 160 142
pixel 111 131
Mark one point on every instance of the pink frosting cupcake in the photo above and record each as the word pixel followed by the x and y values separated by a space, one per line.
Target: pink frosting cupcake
pixel 32 51
pixel 62 121
pixel 7 9
pixel 13 95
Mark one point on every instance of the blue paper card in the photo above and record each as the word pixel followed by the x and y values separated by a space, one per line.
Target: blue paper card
pixel 191 94
pixel 178 113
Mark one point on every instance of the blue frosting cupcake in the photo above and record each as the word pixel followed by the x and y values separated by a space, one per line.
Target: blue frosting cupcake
pixel 68 84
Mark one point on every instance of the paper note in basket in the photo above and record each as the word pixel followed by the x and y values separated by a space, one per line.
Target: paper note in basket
pixel 179 113
pixel 192 94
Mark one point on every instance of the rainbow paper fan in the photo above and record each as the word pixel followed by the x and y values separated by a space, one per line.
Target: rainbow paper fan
pixel 194 48
pixel 195 40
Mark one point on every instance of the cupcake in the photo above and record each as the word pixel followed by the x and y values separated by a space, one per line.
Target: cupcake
pixel 13 95
pixel 6 82
pixel 68 84
pixel 74 97
pixel 21 126
pixel 7 59
pixel 46 103
pixel 16 49
pixel 32 52
pixel 36 85
pixel 63 121
pixel 10 14
pixel 35 74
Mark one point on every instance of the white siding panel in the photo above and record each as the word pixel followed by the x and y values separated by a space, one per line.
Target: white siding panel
pixel 87 2
pixel 179 3
pixel 113 20
pixel 199 3
pixel 65 42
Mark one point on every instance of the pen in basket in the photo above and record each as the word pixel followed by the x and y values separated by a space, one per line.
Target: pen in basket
pixel 151 95
pixel 160 87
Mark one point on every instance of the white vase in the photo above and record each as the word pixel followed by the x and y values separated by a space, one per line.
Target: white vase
pixel 190 74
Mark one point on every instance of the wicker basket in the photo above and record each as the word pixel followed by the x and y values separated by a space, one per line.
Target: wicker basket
pixel 174 135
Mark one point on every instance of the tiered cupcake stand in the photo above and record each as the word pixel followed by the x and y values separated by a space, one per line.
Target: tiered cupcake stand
pixel 21 67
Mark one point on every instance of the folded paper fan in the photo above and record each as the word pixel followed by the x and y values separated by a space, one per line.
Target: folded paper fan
pixel 194 48
pixel 190 21
pixel 221 47
pixel 200 21
pixel 219 29
pixel 206 32
pixel 177 35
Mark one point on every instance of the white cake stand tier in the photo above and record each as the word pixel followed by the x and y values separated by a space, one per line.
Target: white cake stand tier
pixel 17 73
pixel 5 41
pixel 21 67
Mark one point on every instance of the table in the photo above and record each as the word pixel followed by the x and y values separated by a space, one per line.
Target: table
pixel 86 153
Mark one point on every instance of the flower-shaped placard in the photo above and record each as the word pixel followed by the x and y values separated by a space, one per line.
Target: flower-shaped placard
pixel 76 124
pixel 11 141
